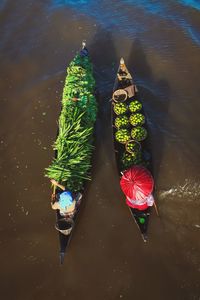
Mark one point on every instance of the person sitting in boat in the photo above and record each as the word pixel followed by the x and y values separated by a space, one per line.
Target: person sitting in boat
pixel 123 73
pixel 137 184
pixel 65 201
pixel 84 51
pixel 125 80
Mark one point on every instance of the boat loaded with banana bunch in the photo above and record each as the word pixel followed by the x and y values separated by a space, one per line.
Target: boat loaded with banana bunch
pixel 130 137
pixel 73 147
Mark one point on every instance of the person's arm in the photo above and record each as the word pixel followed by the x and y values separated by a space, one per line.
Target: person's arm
pixel 150 200
pixel 54 182
pixel 119 77
pixel 55 205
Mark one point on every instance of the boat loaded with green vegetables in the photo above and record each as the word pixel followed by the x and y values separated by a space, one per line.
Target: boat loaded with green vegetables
pixel 130 135
pixel 73 147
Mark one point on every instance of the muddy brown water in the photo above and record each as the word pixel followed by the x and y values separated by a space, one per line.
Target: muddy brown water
pixel 107 258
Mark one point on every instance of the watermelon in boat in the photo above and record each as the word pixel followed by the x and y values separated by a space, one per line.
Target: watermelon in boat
pixel 130 138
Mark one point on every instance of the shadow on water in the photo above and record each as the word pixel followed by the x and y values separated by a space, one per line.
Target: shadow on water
pixel 155 98
pixel 98 190
pixel 104 69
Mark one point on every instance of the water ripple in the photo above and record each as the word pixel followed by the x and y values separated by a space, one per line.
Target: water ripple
pixel 134 17
pixel 192 3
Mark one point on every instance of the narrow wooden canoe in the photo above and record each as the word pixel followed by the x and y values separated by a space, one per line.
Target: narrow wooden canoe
pixel 124 82
pixel 71 166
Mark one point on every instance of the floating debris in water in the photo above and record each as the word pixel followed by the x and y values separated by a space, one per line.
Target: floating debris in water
pixel 39 142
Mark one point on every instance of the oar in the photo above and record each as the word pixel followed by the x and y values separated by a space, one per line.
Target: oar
pixel 54 191
pixel 156 209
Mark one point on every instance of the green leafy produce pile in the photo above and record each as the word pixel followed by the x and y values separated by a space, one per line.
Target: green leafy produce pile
pixel 121 121
pixel 73 145
pixel 137 119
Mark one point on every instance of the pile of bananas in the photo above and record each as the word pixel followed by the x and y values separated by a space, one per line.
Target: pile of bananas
pixel 135 106
pixel 139 133
pixel 132 146
pixel 120 108
pixel 137 119
pixel 129 159
pixel 122 136
pixel 121 121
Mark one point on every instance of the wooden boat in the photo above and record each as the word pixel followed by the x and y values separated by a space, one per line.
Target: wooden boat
pixel 125 91
pixel 75 136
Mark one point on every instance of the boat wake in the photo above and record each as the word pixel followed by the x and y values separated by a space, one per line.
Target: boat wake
pixel 189 190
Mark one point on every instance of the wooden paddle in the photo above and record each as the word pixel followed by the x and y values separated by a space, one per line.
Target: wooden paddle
pixel 156 209
pixel 54 192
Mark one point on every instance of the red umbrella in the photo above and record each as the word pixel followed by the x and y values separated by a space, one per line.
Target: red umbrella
pixel 137 183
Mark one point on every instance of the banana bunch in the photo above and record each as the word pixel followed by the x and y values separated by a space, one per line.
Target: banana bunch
pixel 137 119
pixel 122 136
pixel 120 108
pixel 135 106
pixel 132 146
pixel 139 133
pixel 121 121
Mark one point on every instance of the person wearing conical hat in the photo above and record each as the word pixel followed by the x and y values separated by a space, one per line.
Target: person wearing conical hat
pixel 137 184
pixel 123 72
pixel 124 76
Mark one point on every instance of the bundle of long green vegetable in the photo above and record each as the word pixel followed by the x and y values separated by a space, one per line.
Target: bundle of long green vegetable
pixel 73 145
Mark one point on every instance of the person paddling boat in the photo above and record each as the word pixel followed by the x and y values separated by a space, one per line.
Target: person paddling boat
pixel 137 184
pixel 65 201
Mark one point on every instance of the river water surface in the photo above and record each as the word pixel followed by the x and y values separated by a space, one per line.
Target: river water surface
pixel 107 258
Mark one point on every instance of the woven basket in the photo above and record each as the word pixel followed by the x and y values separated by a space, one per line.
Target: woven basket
pixel 138 143
pixel 65 225
pixel 119 95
